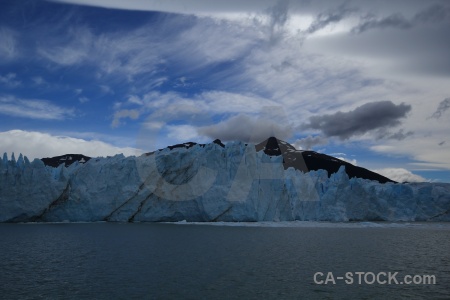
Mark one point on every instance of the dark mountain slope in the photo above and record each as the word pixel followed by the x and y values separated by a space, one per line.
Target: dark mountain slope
pixel 66 159
pixel 310 160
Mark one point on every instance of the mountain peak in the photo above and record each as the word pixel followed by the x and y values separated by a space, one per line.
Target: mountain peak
pixel 66 159
pixel 269 146
pixel 306 161
pixel 274 147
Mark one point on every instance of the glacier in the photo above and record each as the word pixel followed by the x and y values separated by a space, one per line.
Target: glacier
pixel 206 183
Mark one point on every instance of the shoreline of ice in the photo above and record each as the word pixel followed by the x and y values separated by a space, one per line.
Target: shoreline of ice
pixel 271 224
pixel 319 224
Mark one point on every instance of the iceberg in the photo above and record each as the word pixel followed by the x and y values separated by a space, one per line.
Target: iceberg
pixel 236 182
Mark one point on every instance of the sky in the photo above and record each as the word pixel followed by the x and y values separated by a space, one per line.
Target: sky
pixel 365 81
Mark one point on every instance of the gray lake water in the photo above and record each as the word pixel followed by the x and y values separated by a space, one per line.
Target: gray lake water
pixel 185 261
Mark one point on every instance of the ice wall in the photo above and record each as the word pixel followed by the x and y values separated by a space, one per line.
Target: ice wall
pixel 206 183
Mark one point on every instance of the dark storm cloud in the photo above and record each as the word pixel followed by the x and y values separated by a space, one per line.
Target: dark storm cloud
pixel 432 14
pixel 332 16
pixel 367 117
pixel 444 105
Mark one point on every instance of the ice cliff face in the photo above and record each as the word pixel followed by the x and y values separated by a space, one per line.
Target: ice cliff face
pixel 206 183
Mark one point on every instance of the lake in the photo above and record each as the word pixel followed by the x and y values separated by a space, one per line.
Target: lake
pixel 222 261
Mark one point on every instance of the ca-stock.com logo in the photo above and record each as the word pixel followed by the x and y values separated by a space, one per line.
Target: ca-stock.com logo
pixel 154 168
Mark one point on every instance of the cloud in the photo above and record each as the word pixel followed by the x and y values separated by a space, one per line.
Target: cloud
pixel 146 50
pixel 8 44
pixel 182 133
pixel 329 17
pixel 351 161
pixel 171 106
pixel 385 133
pixel 10 80
pixel 83 99
pixel 228 102
pixel 444 105
pixel 127 55
pixel 278 17
pixel 393 21
pixel 400 175
pixel 165 107
pixel 179 6
pixel 124 113
pixel 106 89
pixel 75 47
pixel 383 38
pixel 33 109
pixel 436 13
pixel 309 142
pixel 38 145
pixel 423 149
pixel 400 135
pixel 246 128
pixel 173 117
pixel 143 54
pixel 38 80
pixel 367 117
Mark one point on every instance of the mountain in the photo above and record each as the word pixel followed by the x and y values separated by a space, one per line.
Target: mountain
pixel 66 159
pixel 209 182
pixel 310 160
pixel 300 160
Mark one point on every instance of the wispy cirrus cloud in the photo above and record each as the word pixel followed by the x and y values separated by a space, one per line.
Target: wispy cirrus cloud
pixel 142 54
pixel 122 114
pixel 8 44
pixel 83 99
pixel 330 16
pixel 126 54
pixel 443 106
pixel 176 106
pixel 33 109
pixel 73 48
pixel 38 81
pixel 10 80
